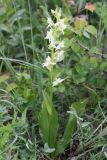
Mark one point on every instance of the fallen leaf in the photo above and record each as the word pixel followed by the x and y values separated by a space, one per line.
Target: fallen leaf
pixel 90 7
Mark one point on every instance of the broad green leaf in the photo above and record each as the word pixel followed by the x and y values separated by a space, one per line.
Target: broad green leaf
pixel 71 126
pixel 80 24
pixel 48 124
pixel 68 134
pixel 47 103
pixel 73 112
pixel 80 106
pixel 91 29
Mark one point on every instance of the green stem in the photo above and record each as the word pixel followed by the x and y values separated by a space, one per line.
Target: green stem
pixel 51 82
pixel 51 76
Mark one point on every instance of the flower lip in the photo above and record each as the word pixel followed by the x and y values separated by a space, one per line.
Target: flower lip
pixel 51 38
pixel 62 25
pixel 57 81
pixel 50 22
pixel 49 35
pixel 60 45
pixel 48 63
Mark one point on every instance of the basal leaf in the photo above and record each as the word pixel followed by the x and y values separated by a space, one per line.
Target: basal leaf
pixel 68 134
pixel 47 103
pixel 48 124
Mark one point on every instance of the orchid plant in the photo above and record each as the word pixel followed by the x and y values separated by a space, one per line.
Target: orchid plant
pixel 48 118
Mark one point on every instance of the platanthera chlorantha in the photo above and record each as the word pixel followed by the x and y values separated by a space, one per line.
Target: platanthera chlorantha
pixel 48 117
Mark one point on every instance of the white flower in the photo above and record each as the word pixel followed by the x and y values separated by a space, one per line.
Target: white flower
pixel 57 81
pixel 50 22
pixel 52 11
pixel 60 46
pixel 49 35
pixel 48 63
pixel 52 43
pixel 51 39
pixel 59 56
pixel 62 25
